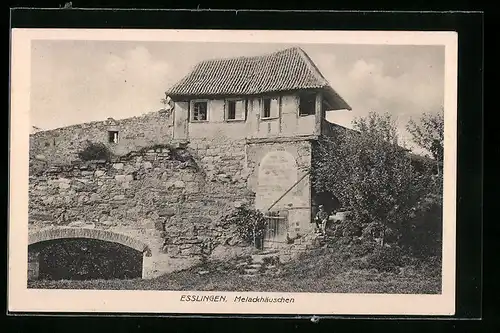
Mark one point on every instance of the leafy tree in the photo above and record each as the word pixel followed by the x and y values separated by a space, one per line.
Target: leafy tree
pixel 371 174
pixel 428 133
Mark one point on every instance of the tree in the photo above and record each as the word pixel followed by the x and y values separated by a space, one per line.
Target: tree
pixel 371 174
pixel 428 133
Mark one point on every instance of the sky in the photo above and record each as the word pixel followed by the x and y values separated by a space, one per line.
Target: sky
pixel 80 81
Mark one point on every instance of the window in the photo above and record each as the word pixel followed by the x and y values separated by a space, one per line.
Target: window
pixel 236 110
pixel 231 110
pixel 200 111
pixel 270 108
pixel 113 136
pixel 307 105
pixel 266 109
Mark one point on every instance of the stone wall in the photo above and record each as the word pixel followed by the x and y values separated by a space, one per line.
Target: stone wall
pixel 62 145
pixel 174 206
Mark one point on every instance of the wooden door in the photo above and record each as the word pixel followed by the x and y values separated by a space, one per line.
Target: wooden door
pixel 276 229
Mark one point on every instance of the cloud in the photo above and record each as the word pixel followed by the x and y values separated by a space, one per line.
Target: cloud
pixel 113 83
pixel 135 80
pixel 136 63
pixel 369 85
pixel 418 89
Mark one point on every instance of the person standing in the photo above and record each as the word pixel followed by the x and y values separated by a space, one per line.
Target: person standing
pixel 320 219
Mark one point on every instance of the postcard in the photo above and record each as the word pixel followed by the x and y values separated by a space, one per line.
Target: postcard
pixel 233 172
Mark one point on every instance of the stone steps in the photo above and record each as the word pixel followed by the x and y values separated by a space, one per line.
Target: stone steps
pixel 267 252
pixel 255 266
pixel 251 270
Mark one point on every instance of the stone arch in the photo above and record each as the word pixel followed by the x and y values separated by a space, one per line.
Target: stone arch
pixel 277 172
pixel 99 234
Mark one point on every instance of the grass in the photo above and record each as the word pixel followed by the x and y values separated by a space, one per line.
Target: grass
pixel 319 271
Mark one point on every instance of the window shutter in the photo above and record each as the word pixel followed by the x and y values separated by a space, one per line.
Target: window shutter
pixel 275 108
pixel 240 110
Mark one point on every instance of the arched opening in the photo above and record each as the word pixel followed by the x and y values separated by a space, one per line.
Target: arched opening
pixel 329 201
pixel 83 259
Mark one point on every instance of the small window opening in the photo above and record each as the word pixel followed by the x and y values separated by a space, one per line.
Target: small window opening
pixel 231 110
pixel 200 111
pixel 236 109
pixel 307 104
pixel 266 108
pixel 113 136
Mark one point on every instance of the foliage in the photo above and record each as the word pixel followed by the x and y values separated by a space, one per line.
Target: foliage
pixel 370 173
pixel 386 259
pixel 250 223
pixel 428 133
pixel 80 259
pixel 422 234
pixel 346 228
pixel 95 151
pixel 272 260
pixel 363 248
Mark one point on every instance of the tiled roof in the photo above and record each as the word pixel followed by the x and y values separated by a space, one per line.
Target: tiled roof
pixel 286 70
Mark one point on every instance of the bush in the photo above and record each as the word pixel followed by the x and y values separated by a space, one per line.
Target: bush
pixel 366 247
pixel 347 228
pixel 95 151
pixel 270 261
pixel 422 236
pixel 386 259
pixel 432 266
pixel 358 263
pixel 250 224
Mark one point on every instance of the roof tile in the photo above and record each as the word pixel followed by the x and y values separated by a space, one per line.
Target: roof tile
pixel 285 70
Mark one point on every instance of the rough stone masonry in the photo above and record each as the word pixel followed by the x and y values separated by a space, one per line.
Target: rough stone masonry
pixel 173 205
pixel 147 195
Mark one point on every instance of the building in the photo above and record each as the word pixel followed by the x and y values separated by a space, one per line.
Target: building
pixel 249 122
pixel 276 105
pixel 282 94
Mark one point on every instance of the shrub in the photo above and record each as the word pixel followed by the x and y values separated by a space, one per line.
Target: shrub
pixel 270 261
pixel 432 266
pixel 364 248
pixel 347 228
pixel 95 151
pixel 250 224
pixel 358 263
pixel 386 259
pixel 422 236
